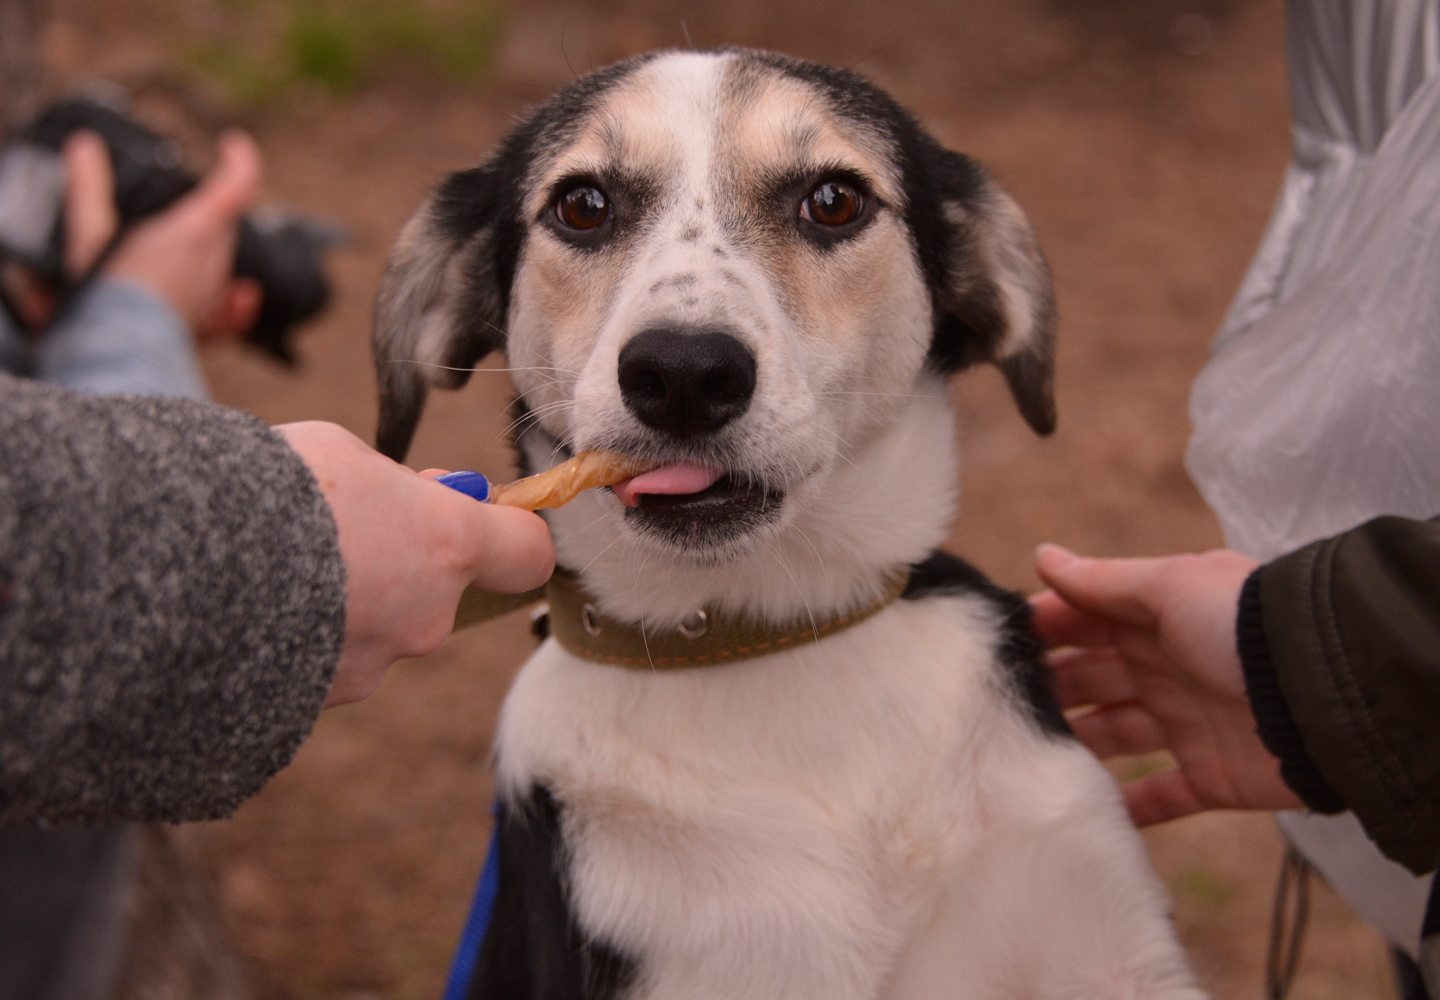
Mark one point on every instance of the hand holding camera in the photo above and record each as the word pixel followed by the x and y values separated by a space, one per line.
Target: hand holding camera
pixel 86 192
pixel 186 253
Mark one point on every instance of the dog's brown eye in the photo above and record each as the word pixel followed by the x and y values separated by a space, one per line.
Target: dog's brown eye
pixel 583 208
pixel 832 204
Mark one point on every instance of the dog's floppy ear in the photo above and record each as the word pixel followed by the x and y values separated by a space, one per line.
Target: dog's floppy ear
pixel 993 297
pixel 444 296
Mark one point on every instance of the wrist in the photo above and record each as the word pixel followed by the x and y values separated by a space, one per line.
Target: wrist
pixel 140 294
pixel 1275 723
pixel 119 274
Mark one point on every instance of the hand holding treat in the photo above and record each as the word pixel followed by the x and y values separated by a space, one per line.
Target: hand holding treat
pixel 553 488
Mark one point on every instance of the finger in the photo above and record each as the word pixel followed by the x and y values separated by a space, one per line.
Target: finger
pixel 235 314
pixel 433 473
pixel 1113 730
pixel 1060 624
pixel 91 218
pixel 511 548
pixel 32 299
pixel 1122 589
pixel 244 300
pixel 228 191
pixel 1091 677
pixel 1161 797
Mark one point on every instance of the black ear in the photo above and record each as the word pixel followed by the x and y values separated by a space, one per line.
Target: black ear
pixel 991 287
pixel 444 297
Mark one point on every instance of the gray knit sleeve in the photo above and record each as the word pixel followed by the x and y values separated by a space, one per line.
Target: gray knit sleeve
pixel 172 606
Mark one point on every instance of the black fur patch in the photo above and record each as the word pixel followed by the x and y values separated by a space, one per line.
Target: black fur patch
pixel 1019 652
pixel 534 950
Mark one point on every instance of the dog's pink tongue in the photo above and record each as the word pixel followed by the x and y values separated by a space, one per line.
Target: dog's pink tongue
pixel 676 479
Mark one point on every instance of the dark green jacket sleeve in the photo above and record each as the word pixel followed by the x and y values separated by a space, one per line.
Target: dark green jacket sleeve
pixel 172 606
pixel 1341 646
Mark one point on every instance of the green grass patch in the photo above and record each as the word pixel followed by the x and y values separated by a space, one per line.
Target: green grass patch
pixel 269 47
pixel 1199 885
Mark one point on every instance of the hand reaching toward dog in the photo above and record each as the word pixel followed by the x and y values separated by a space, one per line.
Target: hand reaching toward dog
pixel 410 547
pixel 1150 644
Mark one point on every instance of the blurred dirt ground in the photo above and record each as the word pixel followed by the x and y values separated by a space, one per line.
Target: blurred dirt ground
pixel 1146 139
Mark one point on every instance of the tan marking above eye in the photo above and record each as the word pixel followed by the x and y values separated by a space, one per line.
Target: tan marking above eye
pixel 833 203
pixel 583 207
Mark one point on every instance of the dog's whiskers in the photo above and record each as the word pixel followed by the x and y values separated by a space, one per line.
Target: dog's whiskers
pixel 643 637
pixel 889 395
pixel 548 381
pixel 596 557
pixel 528 415
pixel 840 454
pixel 820 562
pixel 785 565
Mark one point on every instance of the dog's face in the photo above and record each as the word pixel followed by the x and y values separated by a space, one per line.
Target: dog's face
pixel 731 263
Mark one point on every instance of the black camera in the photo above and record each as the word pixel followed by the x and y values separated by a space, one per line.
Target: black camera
pixel 283 252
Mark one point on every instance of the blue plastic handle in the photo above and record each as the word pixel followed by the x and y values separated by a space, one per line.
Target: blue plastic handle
pixel 472 484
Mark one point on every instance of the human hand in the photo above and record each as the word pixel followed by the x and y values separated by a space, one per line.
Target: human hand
pixel 90 220
pixel 1150 644
pixel 186 254
pixel 91 217
pixel 410 546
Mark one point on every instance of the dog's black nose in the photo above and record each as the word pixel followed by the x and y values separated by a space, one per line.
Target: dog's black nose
pixel 686 383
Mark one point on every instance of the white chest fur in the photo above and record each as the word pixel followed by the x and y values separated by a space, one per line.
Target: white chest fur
pixel 713 814
pixel 790 826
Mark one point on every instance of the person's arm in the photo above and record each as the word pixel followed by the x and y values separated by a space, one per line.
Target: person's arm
pixel 1335 705
pixel 172 606
pixel 1341 648
pixel 118 337
pixel 183 588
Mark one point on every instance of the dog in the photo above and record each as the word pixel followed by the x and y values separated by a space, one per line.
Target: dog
pixel 757 273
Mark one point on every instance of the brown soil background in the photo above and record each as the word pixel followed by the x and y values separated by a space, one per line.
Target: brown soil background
pixel 1146 139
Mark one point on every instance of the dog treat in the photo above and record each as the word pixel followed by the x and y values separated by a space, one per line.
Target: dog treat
pixel 558 486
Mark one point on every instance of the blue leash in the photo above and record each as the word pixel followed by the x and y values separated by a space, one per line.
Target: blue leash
pixel 473 484
pixel 463 968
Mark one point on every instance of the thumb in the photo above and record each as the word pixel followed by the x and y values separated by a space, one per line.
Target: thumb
pixel 1120 589
pixel 510 550
pixel 228 190
pixel 91 218
pixel 1161 797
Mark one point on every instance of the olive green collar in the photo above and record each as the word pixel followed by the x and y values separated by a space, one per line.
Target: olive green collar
pixel 705 638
